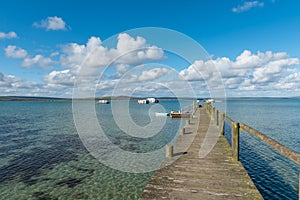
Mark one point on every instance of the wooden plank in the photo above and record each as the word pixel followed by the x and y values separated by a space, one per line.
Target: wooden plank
pixel 215 176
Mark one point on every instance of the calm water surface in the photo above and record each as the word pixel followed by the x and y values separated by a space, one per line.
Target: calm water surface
pixel 42 157
pixel 275 176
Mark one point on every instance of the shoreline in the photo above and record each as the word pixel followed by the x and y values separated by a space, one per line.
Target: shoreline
pixel 29 98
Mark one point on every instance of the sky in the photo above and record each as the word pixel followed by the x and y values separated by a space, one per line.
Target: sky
pixel 250 48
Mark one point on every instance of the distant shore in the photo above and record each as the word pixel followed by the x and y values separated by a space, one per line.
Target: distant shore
pixel 28 98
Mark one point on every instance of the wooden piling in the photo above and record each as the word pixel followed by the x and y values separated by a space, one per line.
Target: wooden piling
pixel 217 117
pixel 222 123
pixel 182 131
pixel 212 113
pixel 169 151
pixel 188 122
pixel 235 141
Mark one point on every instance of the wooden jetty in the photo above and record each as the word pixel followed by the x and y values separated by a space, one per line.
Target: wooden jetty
pixel 217 175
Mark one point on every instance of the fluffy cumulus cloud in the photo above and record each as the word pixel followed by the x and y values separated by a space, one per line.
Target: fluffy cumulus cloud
pixel 51 23
pixel 249 72
pixel 12 51
pixel 93 56
pixel 56 84
pixel 89 59
pixel 153 74
pixel 12 85
pixel 247 6
pixel 37 60
pixel 60 79
pixel 8 35
pixel 128 68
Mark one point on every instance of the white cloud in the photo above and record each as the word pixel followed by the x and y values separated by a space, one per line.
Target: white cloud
pixel 12 51
pixel 56 53
pixel 8 35
pixel 247 6
pixel 135 50
pixel 12 85
pixel 56 84
pixel 8 80
pixel 249 72
pixel 37 60
pixel 15 52
pixel 153 74
pixel 51 23
pixel 93 56
pixel 60 79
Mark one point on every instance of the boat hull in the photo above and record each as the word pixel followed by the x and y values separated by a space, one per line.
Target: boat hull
pixel 180 115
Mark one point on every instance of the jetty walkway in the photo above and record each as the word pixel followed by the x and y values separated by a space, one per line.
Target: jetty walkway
pixel 195 176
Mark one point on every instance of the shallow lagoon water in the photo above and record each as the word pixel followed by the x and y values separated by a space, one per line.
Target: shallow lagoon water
pixel 42 157
pixel 275 176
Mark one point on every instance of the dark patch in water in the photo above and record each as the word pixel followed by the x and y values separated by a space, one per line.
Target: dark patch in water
pixel 25 166
pixel 71 182
pixel 43 196
pixel 89 171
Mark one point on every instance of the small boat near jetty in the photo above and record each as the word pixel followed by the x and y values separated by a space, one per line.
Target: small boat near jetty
pixel 162 114
pixel 180 114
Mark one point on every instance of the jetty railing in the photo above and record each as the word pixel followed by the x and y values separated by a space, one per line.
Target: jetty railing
pixel 237 127
pixel 220 118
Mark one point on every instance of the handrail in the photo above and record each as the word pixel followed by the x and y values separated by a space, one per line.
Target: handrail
pixel 283 150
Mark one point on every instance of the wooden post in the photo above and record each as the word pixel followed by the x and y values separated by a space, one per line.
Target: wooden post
pixel 217 117
pixel 188 122
pixel 195 106
pixel 169 151
pixel 235 141
pixel 182 131
pixel 222 123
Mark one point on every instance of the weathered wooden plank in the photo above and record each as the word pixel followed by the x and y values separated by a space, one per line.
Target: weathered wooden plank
pixel 216 176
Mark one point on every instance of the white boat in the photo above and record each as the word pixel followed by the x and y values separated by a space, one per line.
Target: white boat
pixel 103 101
pixel 152 100
pixel 180 114
pixel 162 114
pixel 143 101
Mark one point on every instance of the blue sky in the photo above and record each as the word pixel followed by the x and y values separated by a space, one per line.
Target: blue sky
pixel 33 51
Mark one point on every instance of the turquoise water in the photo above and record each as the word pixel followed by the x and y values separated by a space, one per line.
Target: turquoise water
pixel 42 157
pixel 275 176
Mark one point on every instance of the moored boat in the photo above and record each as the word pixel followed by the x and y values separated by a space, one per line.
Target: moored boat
pixel 143 101
pixel 103 101
pixel 180 114
pixel 152 100
pixel 162 114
